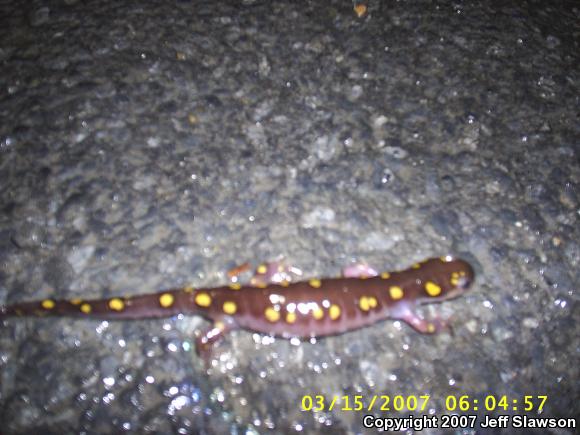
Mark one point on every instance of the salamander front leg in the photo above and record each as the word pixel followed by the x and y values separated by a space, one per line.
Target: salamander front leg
pixel 406 314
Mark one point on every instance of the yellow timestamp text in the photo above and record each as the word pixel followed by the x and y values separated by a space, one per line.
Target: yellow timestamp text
pixel 464 403
pixel 320 402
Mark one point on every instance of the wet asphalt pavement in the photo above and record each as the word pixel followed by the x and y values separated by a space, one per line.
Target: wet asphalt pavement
pixel 157 145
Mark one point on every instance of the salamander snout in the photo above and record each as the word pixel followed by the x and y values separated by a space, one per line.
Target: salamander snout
pixel 454 275
pixel 462 276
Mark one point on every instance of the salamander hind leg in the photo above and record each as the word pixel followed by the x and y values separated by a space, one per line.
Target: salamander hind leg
pixel 212 335
pixel 236 272
pixel 275 272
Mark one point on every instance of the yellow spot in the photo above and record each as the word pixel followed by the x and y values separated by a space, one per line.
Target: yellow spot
pixel 261 285
pixel 416 266
pixel 373 302
pixel 363 303
pixel 385 275
pixel 203 299
pixel 432 289
pixel 317 313
pixel 262 269
pixel 48 304
pixel 166 300
pixel 235 286
pixel 315 283
pixel 272 315
pixel 430 328
pixel 455 278
pixel 230 307
pixel 446 259
pixel 291 317
pixel 116 304
pixel 188 289
pixel 86 308
pixel 285 283
pixel 76 301
pixel 396 292
pixel 334 312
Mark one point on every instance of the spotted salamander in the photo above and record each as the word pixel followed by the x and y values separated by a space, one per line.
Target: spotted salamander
pixel 313 308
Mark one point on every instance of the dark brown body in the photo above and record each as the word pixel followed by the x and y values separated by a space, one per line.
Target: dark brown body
pixel 311 308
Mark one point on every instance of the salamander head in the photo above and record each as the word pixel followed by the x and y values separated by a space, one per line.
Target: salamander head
pixel 445 278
